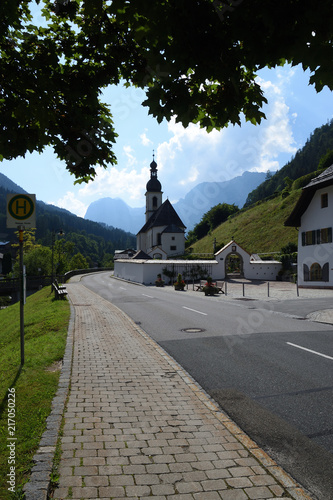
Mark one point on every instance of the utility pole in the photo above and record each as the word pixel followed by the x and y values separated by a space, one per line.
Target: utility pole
pixel 22 294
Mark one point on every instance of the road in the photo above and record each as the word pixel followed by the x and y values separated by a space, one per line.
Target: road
pixel 269 369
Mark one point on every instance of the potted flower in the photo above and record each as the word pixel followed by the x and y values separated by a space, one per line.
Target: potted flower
pixel 180 283
pixel 159 281
pixel 209 288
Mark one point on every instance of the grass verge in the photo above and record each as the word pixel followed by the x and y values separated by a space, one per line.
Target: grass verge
pixel 34 386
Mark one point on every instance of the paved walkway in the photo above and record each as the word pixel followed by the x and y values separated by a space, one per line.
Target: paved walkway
pixel 137 426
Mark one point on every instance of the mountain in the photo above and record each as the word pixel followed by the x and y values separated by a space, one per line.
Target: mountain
pixel 115 212
pixel 9 185
pixel 206 195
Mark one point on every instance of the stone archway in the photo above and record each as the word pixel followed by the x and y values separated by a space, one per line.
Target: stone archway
pixel 234 265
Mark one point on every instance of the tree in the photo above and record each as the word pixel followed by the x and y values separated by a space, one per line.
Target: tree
pixel 196 60
pixel 38 261
pixel 78 262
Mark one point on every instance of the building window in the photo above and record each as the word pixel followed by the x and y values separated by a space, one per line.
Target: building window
pixel 309 237
pixel 173 247
pixel 173 238
pixel 315 272
pixel 154 202
pixel 324 200
pixel 317 237
pixel 159 239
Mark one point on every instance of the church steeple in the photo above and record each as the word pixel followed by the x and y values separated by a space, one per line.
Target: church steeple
pixel 153 191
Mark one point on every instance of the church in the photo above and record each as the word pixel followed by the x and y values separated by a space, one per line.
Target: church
pixel 163 234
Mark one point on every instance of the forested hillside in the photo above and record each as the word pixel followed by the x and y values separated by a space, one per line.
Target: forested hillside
pixel 305 161
pixel 96 242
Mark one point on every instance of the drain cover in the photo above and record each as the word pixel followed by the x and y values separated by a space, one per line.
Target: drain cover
pixel 193 330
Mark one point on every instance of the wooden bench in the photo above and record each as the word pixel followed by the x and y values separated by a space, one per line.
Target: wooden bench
pixel 60 291
pixel 200 285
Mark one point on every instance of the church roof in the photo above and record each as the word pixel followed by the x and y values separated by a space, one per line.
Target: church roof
pixel 165 215
pixel 321 181
pixel 140 254
pixel 172 228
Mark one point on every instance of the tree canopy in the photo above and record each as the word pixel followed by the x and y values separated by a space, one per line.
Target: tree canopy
pixel 196 60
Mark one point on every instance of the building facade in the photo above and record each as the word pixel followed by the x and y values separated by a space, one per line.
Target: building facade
pixel 163 234
pixel 313 216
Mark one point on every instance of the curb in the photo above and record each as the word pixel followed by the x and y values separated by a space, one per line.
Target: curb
pixel 38 487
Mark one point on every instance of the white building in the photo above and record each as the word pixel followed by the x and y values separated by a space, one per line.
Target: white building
pixel 143 270
pixel 163 234
pixel 313 215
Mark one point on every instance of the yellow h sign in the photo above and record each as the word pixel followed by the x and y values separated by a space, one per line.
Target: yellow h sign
pixel 21 210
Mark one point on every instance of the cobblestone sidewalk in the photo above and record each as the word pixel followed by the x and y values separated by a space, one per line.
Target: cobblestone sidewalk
pixel 137 426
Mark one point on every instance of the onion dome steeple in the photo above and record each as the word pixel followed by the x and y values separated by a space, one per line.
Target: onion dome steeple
pixel 153 185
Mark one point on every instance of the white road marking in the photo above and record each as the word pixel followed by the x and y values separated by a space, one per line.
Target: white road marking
pixel 194 310
pixel 148 296
pixel 310 350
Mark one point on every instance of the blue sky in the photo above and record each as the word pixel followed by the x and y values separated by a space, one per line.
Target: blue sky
pixel 185 157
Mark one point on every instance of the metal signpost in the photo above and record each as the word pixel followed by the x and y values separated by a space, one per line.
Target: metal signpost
pixel 21 215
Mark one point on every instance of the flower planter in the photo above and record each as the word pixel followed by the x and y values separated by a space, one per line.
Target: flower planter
pixel 179 287
pixel 210 290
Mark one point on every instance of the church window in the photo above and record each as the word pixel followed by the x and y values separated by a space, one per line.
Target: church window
pixel 154 201
pixel 159 239
pixel 173 247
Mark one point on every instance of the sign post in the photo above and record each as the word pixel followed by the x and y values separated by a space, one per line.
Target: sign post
pixel 21 214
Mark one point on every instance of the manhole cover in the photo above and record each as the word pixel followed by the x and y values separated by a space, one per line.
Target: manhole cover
pixel 193 330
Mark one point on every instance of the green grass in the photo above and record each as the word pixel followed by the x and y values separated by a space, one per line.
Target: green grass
pixel 46 325
pixel 259 229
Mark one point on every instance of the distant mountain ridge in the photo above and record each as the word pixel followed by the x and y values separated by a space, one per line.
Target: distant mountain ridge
pixel 9 185
pixel 115 212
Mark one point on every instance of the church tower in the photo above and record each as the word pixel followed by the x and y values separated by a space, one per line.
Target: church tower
pixel 153 191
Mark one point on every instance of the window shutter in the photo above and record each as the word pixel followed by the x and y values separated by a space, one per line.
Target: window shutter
pixel 303 240
pixel 318 237
pixel 305 272
pixel 313 237
pixel 329 235
pixel 325 272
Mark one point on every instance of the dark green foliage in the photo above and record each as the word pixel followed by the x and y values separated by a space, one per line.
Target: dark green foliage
pixel 210 220
pixel 196 60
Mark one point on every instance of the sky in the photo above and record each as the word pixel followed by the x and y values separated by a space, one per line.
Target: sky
pixel 185 156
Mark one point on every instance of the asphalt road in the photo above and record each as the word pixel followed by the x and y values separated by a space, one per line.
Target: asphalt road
pixel 268 368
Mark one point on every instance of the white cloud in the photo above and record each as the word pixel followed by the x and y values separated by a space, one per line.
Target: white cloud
pixel 144 139
pixel 191 155
pixel 128 184
pixel 131 160
pixel 71 203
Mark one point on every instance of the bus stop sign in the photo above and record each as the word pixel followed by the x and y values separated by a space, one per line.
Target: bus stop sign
pixel 21 211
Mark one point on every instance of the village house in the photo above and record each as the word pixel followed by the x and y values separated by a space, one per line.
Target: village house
pixel 313 216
